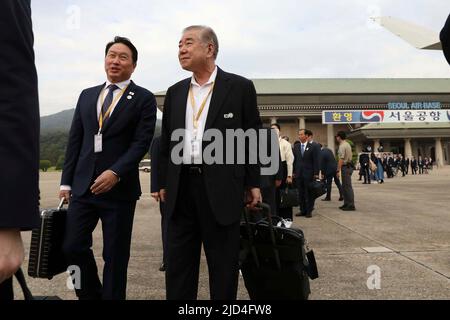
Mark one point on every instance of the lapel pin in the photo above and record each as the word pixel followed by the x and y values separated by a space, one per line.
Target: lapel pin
pixel 131 93
pixel 129 97
pixel 228 116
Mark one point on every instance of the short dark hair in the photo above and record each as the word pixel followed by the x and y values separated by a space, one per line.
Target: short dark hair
pixel 308 132
pixel 342 135
pixel 127 42
pixel 276 125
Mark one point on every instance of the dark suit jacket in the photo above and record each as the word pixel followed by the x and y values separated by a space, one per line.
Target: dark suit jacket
pixel 307 166
pixel 268 181
pixel 445 39
pixel 126 138
pixel 154 158
pixel 225 183
pixel 328 164
pixel 19 119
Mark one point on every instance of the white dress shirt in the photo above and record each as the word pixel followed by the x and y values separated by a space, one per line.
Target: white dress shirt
pixel 287 155
pixel 105 91
pixel 200 93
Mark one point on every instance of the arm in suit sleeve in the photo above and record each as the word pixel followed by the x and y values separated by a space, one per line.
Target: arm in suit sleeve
pixel 251 120
pixel 154 158
pixel 279 175
pixel 164 144
pixel 316 159
pixel 73 146
pixel 143 136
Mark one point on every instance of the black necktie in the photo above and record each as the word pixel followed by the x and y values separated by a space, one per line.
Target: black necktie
pixel 108 99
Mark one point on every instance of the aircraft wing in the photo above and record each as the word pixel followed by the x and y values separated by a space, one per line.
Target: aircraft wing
pixel 418 36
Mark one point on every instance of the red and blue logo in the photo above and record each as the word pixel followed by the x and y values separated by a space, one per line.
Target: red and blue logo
pixel 372 116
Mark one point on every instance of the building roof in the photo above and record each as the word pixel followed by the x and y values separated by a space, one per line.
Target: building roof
pixel 296 86
pixel 351 86
pixel 403 125
pixel 401 130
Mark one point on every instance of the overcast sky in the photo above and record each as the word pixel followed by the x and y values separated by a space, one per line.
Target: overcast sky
pixel 258 39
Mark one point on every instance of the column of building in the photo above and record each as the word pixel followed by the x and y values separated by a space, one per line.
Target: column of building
pixel 439 154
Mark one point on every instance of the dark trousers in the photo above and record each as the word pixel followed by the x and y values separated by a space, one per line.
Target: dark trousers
pixel 6 290
pixel 117 222
pixel 163 231
pixel 414 170
pixel 305 200
pixel 420 169
pixel 347 189
pixel 337 181
pixel 366 173
pixel 191 225
pixel 285 213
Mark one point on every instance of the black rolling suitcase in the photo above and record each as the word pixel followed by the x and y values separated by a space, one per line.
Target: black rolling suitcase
pixel 275 261
pixel 46 255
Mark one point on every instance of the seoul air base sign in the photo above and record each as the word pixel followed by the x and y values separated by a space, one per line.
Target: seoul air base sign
pixel 386 116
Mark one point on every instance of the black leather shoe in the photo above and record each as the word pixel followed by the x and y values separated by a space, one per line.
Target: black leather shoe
pixel 342 207
pixel 309 215
pixel 299 214
pixel 162 268
pixel 326 199
pixel 352 208
pixel 341 199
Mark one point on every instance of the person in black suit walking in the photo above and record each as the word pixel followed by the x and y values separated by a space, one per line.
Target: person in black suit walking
pixel 204 200
pixel 414 166
pixel 154 192
pixel 19 143
pixel 307 169
pixel 111 131
pixel 364 162
pixel 328 167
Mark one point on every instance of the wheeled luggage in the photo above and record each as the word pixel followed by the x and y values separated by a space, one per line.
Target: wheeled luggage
pixel 275 261
pixel 46 255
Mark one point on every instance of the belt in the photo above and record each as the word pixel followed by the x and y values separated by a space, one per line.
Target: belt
pixel 194 169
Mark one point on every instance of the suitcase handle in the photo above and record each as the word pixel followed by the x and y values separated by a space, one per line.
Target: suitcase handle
pixel 265 208
pixel 61 204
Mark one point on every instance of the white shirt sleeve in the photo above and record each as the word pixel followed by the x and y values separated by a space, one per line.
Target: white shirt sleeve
pixel 65 188
pixel 289 159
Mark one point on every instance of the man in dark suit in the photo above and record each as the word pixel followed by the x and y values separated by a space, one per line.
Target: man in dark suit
pixel 364 163
pixel 306 157
pixel 407 163
pixel 328 166
pixel 111 131
pixel 445 39
pixel 414 165
pixel 155 149
pixel 19 143
pixel 204 200
pixel 420 164
pixel 269 183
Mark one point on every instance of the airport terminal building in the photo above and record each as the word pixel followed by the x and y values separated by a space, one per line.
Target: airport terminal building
pixel 299 103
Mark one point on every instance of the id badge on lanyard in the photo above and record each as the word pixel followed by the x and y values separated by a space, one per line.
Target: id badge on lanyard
pixel 195 144
pixel 98 143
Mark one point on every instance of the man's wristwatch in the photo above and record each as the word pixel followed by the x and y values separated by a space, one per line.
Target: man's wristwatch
pixel 118 177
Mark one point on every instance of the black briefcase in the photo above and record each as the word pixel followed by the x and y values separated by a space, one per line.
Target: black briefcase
pixel 275 261
pixel 317 188
pixel 46 255
pixel 288 197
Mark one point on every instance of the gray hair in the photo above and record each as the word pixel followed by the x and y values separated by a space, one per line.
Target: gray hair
pixel 207 36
